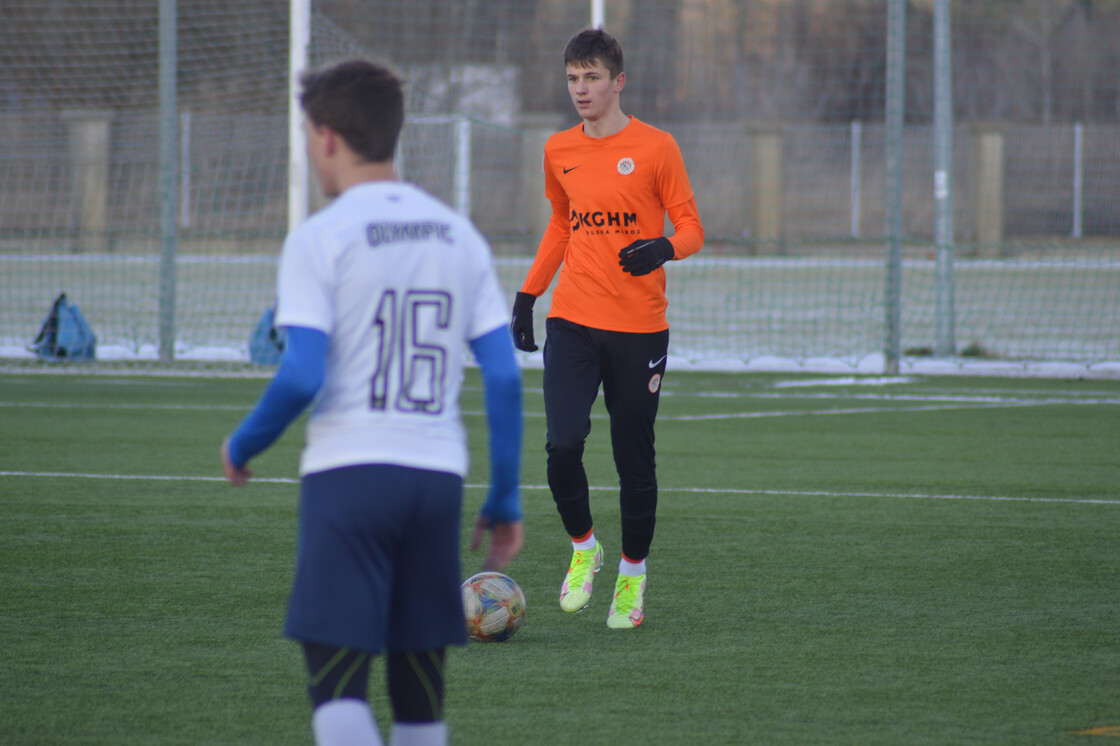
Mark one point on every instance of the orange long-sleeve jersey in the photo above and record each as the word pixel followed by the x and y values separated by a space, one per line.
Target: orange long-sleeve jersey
pixel 607 193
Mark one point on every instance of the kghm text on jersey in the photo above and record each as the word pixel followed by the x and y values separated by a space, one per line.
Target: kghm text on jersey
pixel 380 234
pixel 590 220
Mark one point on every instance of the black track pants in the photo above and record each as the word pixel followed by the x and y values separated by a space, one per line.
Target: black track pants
pixel 577 359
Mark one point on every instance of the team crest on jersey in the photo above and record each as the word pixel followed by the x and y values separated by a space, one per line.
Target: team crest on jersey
pixel 626 166
pixel 654 383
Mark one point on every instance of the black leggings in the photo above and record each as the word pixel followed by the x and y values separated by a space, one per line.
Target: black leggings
pixel 629 366
pixel 416 680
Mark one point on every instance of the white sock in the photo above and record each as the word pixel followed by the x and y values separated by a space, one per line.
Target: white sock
pixel 420 734
pixel 345 722
pixel 582 546
pixel 626 567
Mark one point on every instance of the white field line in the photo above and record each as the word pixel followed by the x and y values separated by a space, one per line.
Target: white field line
pixel 883 410
pixel 543 487
pixel 1042 397
pixel 937 402
pixel 154 407
pixel 601 416
pixel 943 402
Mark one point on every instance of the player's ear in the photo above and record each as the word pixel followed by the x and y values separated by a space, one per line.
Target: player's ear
pixel 319 137
pixel 330 140
pixel 619 82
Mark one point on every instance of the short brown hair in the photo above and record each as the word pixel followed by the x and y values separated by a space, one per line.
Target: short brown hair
pixel 360 100
pixel 594 45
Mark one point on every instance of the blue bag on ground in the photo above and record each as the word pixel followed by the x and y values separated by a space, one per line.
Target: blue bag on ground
pixel 65 334
pixel 266 344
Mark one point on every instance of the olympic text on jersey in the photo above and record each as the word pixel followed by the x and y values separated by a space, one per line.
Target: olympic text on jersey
pixel 379 234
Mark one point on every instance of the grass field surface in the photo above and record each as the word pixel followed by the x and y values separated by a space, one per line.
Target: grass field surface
pixel 848 560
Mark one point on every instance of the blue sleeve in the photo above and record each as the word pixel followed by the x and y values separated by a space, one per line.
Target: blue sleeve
pixel 294 386
pixel 502 380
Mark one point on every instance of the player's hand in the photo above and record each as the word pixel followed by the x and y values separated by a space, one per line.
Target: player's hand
pixel 645 255
pixel 505 541
pixel 522 325
pixel 238 477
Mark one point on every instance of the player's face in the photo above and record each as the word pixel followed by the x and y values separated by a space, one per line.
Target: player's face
pixel 594 92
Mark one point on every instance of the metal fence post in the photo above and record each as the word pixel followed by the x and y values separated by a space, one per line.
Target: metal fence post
pixel 892 197
pixel 168 166
pixel 857 130
pixel 944 343
pixel 1078 178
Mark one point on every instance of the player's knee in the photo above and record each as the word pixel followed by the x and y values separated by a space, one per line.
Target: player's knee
pixel 416 684
pixel 336 673
pixel 564 453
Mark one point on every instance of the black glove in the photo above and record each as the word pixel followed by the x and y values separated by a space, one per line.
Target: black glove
pixel 521 328
pixel 644 256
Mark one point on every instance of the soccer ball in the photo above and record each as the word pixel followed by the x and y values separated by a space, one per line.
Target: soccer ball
pixel 494 606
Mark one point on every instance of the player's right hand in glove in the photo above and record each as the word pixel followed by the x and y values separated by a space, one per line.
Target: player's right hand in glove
pixel 521 328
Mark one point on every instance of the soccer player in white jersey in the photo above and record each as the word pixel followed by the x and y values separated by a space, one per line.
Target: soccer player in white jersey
pixel 380 293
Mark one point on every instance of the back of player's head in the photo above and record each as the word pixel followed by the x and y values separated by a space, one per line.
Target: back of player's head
pixel 361 101
pixel 594 45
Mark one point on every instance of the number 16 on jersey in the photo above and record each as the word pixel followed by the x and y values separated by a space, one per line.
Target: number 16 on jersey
pixel 408 348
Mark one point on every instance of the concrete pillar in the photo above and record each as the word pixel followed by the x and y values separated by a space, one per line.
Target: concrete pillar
pixel 88 151
pixel 535 130
pixel 765 190
pixel 987 188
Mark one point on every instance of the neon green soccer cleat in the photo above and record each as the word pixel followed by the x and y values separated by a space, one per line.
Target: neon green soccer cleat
pixel 575 593
pixel 628 607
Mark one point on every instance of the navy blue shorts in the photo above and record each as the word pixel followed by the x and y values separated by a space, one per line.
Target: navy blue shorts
pixel 377 565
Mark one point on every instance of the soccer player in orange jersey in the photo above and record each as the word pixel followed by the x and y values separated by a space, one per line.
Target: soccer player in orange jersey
pixel 611 180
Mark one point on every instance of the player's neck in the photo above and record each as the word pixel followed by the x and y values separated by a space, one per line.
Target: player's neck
pixel 362 173
pixel 611 123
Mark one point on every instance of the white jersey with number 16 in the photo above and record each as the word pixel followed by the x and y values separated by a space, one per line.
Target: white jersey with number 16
pixel 399 283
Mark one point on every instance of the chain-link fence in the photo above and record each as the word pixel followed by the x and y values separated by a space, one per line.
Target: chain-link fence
pixel 778 105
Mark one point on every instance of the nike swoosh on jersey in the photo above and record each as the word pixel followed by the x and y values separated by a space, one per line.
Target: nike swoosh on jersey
pixel 573 168
pixel 655 363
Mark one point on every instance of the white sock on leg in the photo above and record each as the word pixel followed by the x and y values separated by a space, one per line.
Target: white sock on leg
pixel 420 734
pixel 345 722
pixel 626 567
pixel 582 546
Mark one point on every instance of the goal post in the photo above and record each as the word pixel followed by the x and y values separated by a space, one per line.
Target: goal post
pixel 298 176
